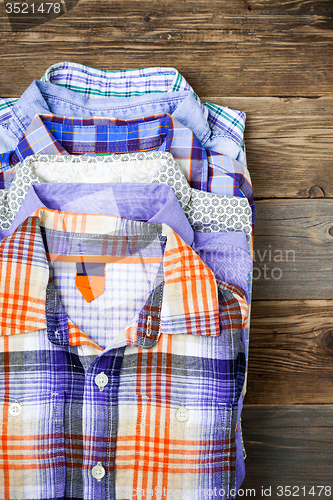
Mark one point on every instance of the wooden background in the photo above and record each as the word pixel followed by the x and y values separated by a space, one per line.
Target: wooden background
pixel 272 59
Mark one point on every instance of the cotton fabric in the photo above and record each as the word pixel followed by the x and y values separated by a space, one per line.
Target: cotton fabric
pixel 179 300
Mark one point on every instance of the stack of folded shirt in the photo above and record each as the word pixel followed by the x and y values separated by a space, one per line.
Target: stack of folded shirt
pixel 126 216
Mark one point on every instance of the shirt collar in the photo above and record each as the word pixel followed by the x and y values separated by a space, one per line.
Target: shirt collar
pixel 45 98
pixel 50 134
pixel 187 298
pixel 94 136
pixel 153 203
pixel 122 83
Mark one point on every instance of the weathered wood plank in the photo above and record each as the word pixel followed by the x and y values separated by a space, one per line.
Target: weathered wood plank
pixel 293 249
pixel 291 353
pixel 289 144
pixel 283 49
pixel 288 446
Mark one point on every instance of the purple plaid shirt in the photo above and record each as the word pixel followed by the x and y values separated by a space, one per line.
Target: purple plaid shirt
pixel 101 395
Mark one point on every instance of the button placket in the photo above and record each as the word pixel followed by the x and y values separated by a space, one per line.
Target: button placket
pixel 101 386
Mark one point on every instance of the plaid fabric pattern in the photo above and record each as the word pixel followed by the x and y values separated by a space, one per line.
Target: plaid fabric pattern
pixel 123 83
pixel 182 350
pixel 6 105
pixel 182 194
pixel 6 179
pixel 94 83
pixel 205 170
pixel 231 121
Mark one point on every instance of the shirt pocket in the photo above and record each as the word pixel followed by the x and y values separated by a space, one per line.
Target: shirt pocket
pixel 32 448
pixel 201 437
pixel 177 445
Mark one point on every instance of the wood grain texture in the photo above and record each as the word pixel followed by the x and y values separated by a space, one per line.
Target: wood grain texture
pixel 241 48
pixel 287 446
pixel 291 352
pixel 289 145
pixel 293 249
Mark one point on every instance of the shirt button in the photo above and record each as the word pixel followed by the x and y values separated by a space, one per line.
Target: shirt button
pixel 101 380
pixel 182 414
pixel 15 409
pixel 98 471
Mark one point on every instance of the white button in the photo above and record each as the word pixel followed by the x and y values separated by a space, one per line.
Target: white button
pixel 101 380
pixel 15 409
pixel 182 414
pixel 98 471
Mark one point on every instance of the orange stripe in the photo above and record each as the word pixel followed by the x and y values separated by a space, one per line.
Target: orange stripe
pixel 158 428
pixel 83 224
pixel 14 457
pixel 74 221
pixel 55 219
pixel 166 449
pixel 184 288
pixel 76 337
pixel 21 447
pixel 182 460
pixel 177 442
pixel 5 422
pixel 177 470
pixel 64 221
pixel 15 297
pixel 147 429
pixel 10 319
pixel 173 451
pixel 15 310
pixel 27 278
pixel 105 245
pixel 40 437
pixel 211 289
pixel 139 419
pixel 9 312
pixel 172 251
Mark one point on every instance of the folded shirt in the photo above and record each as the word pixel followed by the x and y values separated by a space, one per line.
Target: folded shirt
pixel 125 94
pixel 110 374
